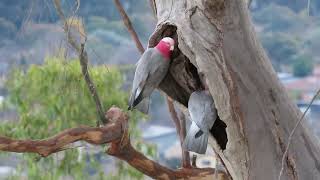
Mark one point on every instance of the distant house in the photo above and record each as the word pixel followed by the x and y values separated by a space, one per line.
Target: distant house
pixel 312 115
pixel 302 88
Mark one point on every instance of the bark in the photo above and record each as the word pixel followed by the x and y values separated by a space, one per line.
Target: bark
pixel 216 39
pixel 46 147
pixel 180 124
pixel 155 170
pixel 115 133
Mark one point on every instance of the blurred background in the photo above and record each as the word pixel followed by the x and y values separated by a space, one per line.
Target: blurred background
pixel 42 91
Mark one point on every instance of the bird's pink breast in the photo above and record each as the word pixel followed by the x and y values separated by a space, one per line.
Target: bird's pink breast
pixel 164 49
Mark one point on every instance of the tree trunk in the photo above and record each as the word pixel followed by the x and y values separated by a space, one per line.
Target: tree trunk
pixel 216 40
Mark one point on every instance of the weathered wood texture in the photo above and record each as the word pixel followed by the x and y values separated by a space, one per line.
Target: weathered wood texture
pixel 115 133
pixel 218 38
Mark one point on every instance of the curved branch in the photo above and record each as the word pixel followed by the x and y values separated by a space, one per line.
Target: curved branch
pixel 92 135
pixel 57 143
pixel 126 152
pixel 115 133
pixel 157 171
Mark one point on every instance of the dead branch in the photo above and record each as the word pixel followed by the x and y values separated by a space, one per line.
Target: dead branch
pixel 155 170
pixel 129 26
pixel 284 156
pixel 174 115
pixel 115 133
pixel 98 135
pixel 181 131
pixel 83 58
pixel 153 7
pixel 249 3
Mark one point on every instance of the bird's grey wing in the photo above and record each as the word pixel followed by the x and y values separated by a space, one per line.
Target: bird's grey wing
pixel 202 110
pixel 210 115
pixel 157 68
pixel 143 105
pixel 140 77
pixel 195 143
pixel 196 108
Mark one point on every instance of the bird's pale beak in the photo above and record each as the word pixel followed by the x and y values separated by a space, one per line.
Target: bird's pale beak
pixel 171 48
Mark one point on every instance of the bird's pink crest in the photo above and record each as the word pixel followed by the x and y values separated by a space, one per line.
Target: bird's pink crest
pixel 165 46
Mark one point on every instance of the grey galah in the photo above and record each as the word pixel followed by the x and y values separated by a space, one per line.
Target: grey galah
pixel 203 115
pixel 151 68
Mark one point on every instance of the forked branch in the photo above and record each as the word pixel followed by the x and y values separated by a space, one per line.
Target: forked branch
pixel 116 133
pixel 180 124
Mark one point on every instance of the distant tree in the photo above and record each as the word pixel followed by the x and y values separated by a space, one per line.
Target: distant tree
pixel 281 49
pixel 7 28
pixel 277 18
pixel 295 5
pixel 52 97
pixel 302 66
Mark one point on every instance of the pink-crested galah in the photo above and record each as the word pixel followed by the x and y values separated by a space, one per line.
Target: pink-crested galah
pixel 151 68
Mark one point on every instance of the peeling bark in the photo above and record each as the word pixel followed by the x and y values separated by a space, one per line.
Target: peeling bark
pixel 115 133
pixel 93 135
pixel 218 39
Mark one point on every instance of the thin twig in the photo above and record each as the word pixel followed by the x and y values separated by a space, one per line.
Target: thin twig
pixel 174 115
pixel 84 67
pixel 26 19
pixel 83 58
pixel 249 3
pixel 194 161
pixel 292 132
pixel 153 7
pixel 308 8
pixel 181 131
pixel 129 26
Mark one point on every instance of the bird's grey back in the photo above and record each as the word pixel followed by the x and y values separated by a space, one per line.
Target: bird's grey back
pixel 156 65
pixel 202 110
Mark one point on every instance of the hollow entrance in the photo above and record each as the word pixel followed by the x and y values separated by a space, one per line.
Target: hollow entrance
pixel 183 78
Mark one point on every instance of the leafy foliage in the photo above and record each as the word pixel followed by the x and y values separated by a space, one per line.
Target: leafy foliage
pixel 286 33
pixel 52 97
pixel 281 48
pixel 302 66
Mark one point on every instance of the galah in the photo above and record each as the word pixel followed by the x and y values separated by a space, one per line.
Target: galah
pixel 151 68
pixel 203 115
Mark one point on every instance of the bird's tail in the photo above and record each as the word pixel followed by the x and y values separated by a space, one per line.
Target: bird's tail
pixel 131 100
pixel 195 143
pixel 143 106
